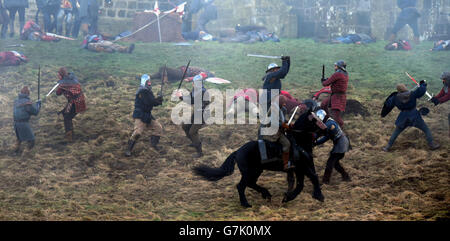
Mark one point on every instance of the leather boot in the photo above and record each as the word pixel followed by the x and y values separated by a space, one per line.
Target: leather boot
pixel 434 146
pixel 17 146
pixel 131 144
pixel 326 176
pixel 154 140
pixel 199 151
pixel 69 136
pixel 287 165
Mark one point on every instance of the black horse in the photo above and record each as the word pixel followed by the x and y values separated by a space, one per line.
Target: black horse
pixel 248 159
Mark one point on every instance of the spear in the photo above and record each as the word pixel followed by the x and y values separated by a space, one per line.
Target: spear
pixel 39 83
pixel 184 75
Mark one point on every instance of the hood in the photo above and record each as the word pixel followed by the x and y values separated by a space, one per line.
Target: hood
pixel 24 96
pixel 404 97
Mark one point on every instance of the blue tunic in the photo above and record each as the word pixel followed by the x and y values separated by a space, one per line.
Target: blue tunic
pixel 406 102
pixel 143 105
pixel 335 133
pixel 272 81
pixel 23 110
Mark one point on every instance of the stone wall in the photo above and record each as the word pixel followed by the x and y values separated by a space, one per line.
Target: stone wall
pixel 296 18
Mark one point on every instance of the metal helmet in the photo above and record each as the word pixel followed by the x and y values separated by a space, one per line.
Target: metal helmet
pixel 445 76
pixel 321 114
pixel 144 79
pixel 272 66
pixel 311 104
pixel 341 64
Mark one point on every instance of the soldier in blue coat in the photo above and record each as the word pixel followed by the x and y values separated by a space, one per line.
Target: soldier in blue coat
pixel 23 110
pixel 409 15
pixel 406 102
pixel 272 79
pixel 341 146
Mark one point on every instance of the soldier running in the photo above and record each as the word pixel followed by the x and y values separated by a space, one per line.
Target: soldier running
pixel 71 89
pixel 143 119
pixel 406 102
pixel 444 95
pixel 23 110
pixel 191 129
pixel 341 146
pixel 337 102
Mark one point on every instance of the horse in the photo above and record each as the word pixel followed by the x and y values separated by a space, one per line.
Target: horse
pixel 248 160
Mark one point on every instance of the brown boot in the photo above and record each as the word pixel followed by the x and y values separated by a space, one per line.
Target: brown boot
pixel 286 164
pixel 69 136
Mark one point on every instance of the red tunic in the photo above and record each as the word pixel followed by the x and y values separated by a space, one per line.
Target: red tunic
pixel 443 97
pixel 338 82
pixel 74 96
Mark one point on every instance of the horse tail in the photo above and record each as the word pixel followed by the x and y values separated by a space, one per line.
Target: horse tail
pixel 216 174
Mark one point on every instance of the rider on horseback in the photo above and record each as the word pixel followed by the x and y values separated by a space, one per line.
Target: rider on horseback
pixel 280 136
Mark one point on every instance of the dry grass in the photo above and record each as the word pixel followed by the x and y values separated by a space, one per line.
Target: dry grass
pixel 91 180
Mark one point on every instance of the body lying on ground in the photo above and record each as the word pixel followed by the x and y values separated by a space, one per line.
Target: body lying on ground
pixel 12 58
pixel 358 38
pixel 251 34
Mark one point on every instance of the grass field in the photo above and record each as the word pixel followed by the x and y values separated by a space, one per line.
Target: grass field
pixel 91 180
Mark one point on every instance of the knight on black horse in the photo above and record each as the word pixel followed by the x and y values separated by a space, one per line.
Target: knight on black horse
pixel 256 156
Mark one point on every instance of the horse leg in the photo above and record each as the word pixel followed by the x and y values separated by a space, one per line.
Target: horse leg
pixel 310 172
pixel 252 184
pixel 241 190
pixel 291 195
pixel 291 180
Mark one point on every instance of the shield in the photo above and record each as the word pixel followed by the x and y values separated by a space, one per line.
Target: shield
pixel 424 111
pixel 387 109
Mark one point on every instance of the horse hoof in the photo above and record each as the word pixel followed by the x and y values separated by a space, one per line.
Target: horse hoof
pixel 319 197
pixel 246 205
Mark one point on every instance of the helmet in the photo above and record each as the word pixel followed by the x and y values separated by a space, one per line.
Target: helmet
pixel 341 64
pixel 445 76
pixel 144 79
pixel 311 104
pixel 321 114
pixel 272 66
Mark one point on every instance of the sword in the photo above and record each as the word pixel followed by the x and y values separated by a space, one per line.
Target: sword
pixel 263 56
pixel 39 83
pixel 292 117
pixel 428 94
pixel 184 74
pixel 15 45
pixel 162 80
pixel 59 36
pixel 54 88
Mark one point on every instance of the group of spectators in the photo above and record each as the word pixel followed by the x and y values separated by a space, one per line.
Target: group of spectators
pixel 74 14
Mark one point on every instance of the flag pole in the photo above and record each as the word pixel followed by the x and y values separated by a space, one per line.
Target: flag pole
pixel 159 28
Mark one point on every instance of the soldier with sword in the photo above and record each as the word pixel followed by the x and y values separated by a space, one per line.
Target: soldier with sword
pixel 143 119
pixel 22 112
pixel 272 79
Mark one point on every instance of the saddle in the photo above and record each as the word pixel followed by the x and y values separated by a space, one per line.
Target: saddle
pixel 272 152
